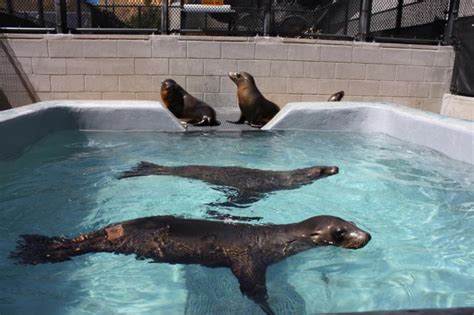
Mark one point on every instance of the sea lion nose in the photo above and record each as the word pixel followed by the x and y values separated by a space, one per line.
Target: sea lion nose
pixel 332 170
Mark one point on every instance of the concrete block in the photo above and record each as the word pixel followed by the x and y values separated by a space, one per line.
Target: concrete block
pixel 363 88
pixel 221 100
pixel 271 51
pixel 381 72
pixel 85 96
pixel 350 71
pixel 227 85
pixel 148 96
pixel 186 66
pixel 151 66
pixel 378 99
pixel 40 83
pixel 413 102
pixel 156 80
pixel 101 83
pixel 287 69
pixel 436 74
pixel 48 96
pixel 390 88
pixel 336 53
pixel 83 66
pixel 135 83
pixel 393 56
pixel 304 52
pixel 65 48
pixel 220 66
pixel 67 83
pixel 302 86
pixel 329 87
pixel 238 50
pixel 25 65
pixel 282 99
pixel 211 50
pixel 410 73
pixel 431 104
pixel 134 48
pixel 320 70
pixel 458 106
pixel 118 96
pixel 422 57
pixel 100 48
pixel 268 85
pixel 367 54
pixel 117 66
pixel 437 90
pixel 417 89
pixel 261 68
pixel 29 48
pixel 442 59
pixel 49 65
pixel 168 47
pixel 207 84
pixel 314 98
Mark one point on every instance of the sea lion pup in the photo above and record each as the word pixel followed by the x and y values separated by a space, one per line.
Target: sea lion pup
pixel 336 97
pixel 185 106
pixel 248 184
pixel 254 107
pixel 246 249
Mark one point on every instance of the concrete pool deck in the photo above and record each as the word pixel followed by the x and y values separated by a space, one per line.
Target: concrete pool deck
pixel 450 136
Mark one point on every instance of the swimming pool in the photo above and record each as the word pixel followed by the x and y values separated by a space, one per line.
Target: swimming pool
pixel 416 202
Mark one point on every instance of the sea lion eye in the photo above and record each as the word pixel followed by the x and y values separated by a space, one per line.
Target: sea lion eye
pixel 339 234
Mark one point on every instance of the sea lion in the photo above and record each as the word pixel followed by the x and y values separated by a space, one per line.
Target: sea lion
pixel 336 97
pixel 185 106
pixel 248 184
pixel 246 249
pixel 254 107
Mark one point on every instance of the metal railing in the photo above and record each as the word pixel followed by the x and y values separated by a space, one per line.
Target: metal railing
pixel 424 21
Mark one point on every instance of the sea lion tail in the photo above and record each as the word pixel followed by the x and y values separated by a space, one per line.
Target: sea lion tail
pixel 36 249
pixel 144 169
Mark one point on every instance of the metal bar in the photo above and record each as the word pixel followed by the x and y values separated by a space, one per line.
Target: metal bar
pixel 9 7
pixel 330 36
pixel 407 40
pixel 139 17
pixel 61 16
pixel 28 29
pixel 346 16
pixel 364 21
pixel 116 30
pixel 41 12
pixel 398 23
pixel 164 17
pixel 267 17
pixel 453 15
pixel 78 13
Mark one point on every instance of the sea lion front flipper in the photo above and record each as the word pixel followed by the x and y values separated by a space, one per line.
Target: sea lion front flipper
pixel 252 280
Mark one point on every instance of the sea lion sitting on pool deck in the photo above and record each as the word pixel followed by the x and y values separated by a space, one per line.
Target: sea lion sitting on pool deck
pixel 254 107
pixel 250 184
pixel 246 249
pixel 336 97
pixel 185 106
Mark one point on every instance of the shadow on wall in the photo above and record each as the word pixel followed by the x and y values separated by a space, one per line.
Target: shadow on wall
pixel 15 88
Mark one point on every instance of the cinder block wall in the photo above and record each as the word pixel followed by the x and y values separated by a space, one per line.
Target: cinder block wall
pixel 286 70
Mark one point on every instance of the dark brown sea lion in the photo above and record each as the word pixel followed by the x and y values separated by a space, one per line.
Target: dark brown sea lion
pixel 185 106
pixel 246 249
pixel 254 107
pixel 336 97
pixel 248 184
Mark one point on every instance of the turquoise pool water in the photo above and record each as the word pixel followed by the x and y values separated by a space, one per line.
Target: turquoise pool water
pixel 417 204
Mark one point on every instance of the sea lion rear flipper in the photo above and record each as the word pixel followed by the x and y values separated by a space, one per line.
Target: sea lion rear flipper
pixel 238 122
pixel 143 169
pixel 252 280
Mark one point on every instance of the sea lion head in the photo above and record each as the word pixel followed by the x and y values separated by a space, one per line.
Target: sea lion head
pixel 328 230
pixel 321 171
pixel 336 97
pixel 169 90
pixel 241 78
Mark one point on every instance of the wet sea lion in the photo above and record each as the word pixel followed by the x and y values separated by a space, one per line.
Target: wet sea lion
pixel 185 106
pixel 246 249
pixel 336 97
pixel 254 107
pixel 248 184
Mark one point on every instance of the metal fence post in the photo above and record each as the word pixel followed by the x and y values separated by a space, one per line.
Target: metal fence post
pixel 364 20
pixel 453 15
pixel 267 18
pixel 164 17
pixel 79 14
pixel 398 23
pixel 61 16
pixel 9 6
pixel 41 12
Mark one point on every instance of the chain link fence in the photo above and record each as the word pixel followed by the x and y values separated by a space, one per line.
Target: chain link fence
pixel 413 19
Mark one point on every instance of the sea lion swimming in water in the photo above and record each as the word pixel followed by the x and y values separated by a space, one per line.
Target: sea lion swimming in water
pixel 248 184
pixel 246 249
pixel 254 107
pixel 185 106
pixel 336 97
